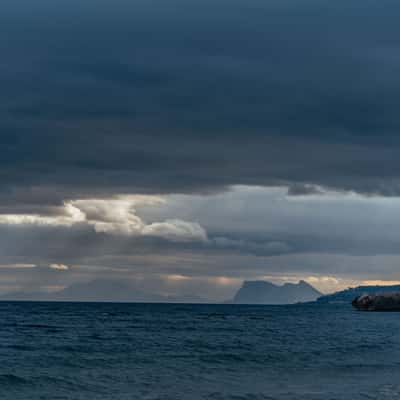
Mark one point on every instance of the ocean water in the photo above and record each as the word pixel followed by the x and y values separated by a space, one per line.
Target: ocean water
pixel 164 351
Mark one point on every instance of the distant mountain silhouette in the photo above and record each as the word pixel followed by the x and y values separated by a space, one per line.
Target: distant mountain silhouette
pixel 263 292
pixel 348 295
pixel 102 290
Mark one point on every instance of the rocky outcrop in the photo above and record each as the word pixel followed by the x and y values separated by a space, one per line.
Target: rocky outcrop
pixel 389 301
pixel 264 292
pixel 346 296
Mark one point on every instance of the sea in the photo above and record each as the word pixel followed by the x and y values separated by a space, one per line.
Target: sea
pixel 111 351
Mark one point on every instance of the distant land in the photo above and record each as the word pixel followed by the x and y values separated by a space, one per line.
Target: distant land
pixel 251 292
pixel 348 295
pixel 100 290
pixel 264 292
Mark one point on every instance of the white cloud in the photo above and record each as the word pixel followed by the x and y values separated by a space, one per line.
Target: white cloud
pixel 326 284
pixel 18 266
pixel 70 215
pixel 59 267
pixel 176 230
pixel 113 216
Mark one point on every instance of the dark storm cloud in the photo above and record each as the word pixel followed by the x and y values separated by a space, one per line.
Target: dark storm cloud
pixel 184 96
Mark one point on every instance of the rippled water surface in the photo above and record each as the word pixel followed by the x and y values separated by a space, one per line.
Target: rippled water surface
pixel 152 351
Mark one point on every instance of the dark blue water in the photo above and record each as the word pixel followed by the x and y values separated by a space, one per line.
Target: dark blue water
pixel 149 351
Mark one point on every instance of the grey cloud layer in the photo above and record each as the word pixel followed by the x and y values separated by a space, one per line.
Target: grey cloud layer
pixel 251 221
pixel 184 96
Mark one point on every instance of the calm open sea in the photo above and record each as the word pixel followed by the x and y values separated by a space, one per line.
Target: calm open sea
pixel 152 351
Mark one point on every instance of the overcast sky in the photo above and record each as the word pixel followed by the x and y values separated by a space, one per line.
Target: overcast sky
pixel 187 145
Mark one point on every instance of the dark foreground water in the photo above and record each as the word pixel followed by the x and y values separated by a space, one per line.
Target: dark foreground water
pixel 148 351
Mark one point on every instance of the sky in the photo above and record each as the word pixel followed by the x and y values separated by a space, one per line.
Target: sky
pixel 185 145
